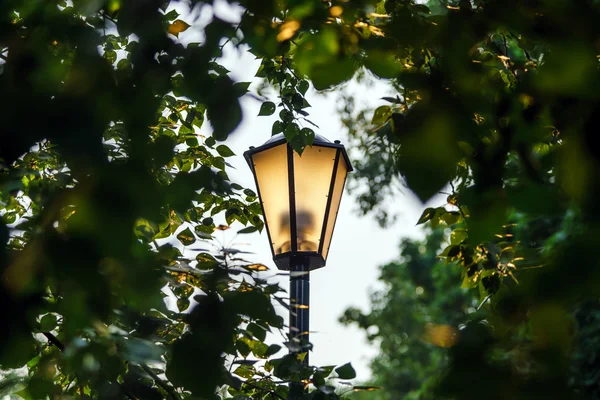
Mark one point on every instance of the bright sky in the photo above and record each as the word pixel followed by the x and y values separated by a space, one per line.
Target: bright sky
pixel 359 245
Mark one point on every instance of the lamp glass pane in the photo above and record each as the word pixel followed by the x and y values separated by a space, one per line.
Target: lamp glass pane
pixel 312 179
pixel 271 169
pixel 336 197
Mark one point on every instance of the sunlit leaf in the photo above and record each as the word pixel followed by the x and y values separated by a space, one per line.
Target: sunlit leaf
pixel 186 237
pixel 177 27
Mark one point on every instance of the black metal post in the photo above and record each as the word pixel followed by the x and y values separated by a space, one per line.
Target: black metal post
pixel 299 312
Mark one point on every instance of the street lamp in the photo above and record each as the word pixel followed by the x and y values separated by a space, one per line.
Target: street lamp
pixel 300 198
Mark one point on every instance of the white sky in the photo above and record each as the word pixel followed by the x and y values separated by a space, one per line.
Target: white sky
pixel 359 245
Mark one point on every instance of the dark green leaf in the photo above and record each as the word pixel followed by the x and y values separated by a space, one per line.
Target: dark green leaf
pixel 303 86
pixel 186 237
pixel 345 372
pixel 48 323
pixel 267 108
pixel 426 216
pixel 250 229
pixel 225 151
pixel 277 127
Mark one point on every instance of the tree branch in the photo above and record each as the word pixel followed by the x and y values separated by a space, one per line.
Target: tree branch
pixel 53 340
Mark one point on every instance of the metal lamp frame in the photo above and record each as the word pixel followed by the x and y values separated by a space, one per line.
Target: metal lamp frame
pixel 311 259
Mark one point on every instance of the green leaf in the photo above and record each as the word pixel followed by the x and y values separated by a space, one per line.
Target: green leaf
pixel 9 217
pixel 451 217
pixel 426 216
pixel 242 347
pixel 111 56
pixel 206 261
pixel 210 141
pixel 144 230
pixel 272 350
pixel 259 349
pixel 186 237
pixel 245 371
pixel 250 229
pixel 257 331
pixel 183 304
pixel 383 63
pixel 291 131
pixel 241 88
pixel 381 115
pixel 458 236
pixel 48 323
pixel 303 86
pixel 225 151
pixel 437 217
pixel 277 127
pixel 218 68
pixel 309 135
pixel 345 372
pixel 267 108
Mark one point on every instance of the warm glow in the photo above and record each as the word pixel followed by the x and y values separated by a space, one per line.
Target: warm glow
pixel 272 176
pixel 312 180
pixel 300 196
pixel 340 180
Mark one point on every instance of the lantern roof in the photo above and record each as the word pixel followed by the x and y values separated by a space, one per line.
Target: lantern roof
pixel 279 138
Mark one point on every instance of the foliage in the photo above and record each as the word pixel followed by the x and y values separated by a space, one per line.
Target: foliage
pixel 105 183
pixel 495 104
pixel 413 320
pixel 107 189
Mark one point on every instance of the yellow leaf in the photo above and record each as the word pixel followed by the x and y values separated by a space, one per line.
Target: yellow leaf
pixel 257 267
pixel 287 30
pixel 440 335
pixel 177 27
pixel 336 11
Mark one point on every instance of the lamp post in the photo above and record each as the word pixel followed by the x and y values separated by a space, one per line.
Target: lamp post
pixel 300 198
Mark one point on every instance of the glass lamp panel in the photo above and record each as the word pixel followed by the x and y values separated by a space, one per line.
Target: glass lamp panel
pixel 312 179
pixel 336 197
pixel 271 169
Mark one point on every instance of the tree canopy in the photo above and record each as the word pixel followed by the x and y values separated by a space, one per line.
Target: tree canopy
pixel 105 184
pixel 414 320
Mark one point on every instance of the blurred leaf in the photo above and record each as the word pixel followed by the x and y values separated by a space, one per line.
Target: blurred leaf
pixel 381 115
pixel 177 27
pixel 48 323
